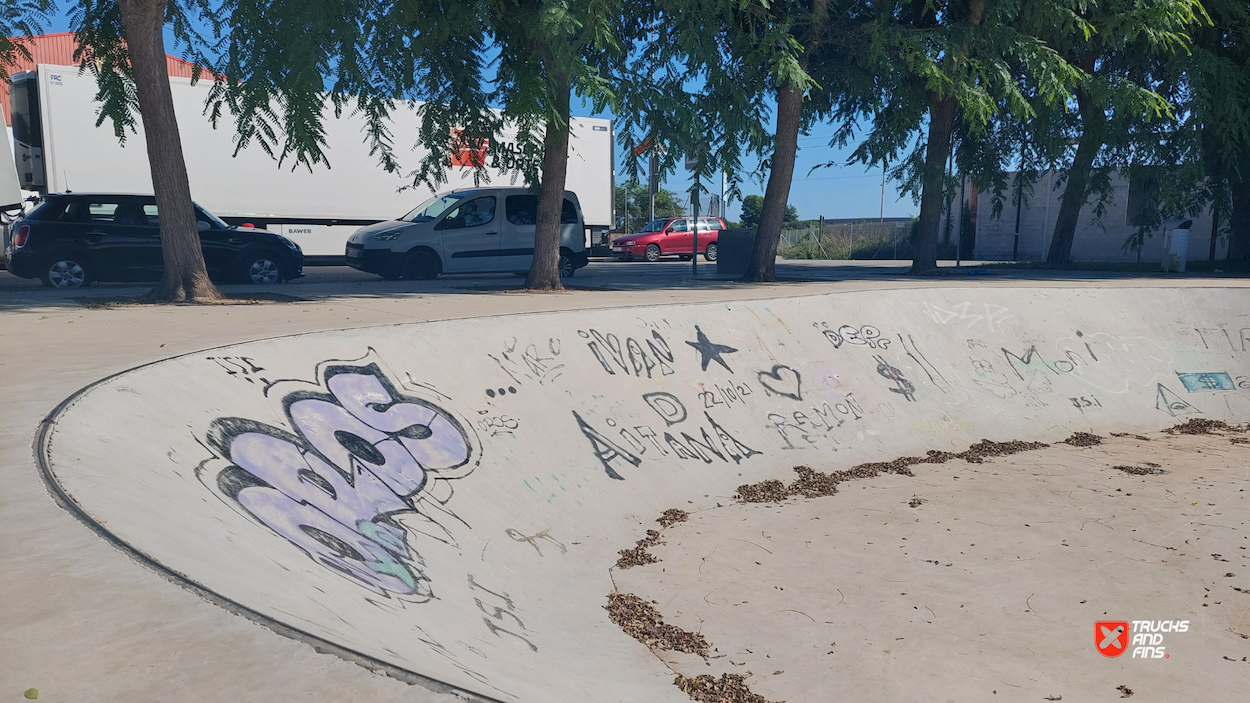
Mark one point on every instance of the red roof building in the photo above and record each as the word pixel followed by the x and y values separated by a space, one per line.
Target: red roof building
pixel 58 50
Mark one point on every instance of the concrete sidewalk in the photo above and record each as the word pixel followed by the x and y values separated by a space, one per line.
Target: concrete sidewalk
pixel 84 622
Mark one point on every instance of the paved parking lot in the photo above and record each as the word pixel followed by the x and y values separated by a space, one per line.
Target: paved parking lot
pixel 320 282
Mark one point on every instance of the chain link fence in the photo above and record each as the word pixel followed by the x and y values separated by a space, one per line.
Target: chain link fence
pixel 847 240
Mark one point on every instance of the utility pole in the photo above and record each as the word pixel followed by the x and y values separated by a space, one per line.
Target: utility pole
pixel 884 164
pixel 654 181
pixel 959 242
pixel 1015 245
pixel 694 209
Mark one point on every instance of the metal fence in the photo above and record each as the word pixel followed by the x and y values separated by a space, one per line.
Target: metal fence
pixel 846 240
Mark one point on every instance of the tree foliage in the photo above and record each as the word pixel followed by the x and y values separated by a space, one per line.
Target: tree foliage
pixel 634 202
pixel 20 19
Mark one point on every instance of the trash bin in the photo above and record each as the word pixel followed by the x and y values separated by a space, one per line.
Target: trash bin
pixel 1176 245
pixel 733 251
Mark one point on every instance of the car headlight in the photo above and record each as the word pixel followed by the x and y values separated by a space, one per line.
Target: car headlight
pixel 387 235
pixel 290 244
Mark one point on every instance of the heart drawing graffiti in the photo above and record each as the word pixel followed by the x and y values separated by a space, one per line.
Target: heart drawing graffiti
pixel 352 486
pixel 782 380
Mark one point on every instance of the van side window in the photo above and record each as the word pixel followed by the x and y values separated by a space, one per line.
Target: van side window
pixel 568 214
pixel 153 218
pixel 478 211
pixel 522 209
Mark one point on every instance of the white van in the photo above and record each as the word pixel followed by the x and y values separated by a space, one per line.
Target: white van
pixel 476 230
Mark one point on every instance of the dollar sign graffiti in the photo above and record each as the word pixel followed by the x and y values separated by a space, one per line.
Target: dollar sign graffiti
pixel 903 386
pixel 1209 382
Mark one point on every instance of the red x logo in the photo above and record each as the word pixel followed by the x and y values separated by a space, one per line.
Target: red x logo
pixel 1111 637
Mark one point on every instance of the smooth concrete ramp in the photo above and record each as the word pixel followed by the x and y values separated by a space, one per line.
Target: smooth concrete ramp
pixel 448 499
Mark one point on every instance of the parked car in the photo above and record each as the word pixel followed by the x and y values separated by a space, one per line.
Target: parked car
pixel 669 236
pixel 466 231
pixel 73 239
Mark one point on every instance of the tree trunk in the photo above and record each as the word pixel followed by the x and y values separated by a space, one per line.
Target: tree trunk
pixel 763 265
pixel 932 198
pixel 777 195
pixel 186 278
pixel 1239 221
pixel 545 269
pixel 1076 190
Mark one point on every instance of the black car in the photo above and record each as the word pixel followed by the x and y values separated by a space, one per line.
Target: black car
pixel 73 239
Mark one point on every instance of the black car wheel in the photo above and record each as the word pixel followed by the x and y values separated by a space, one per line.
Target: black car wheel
pixel 262 269
pixel 710 254
pixel 653 252
pixel 65 271
pixel 567 269
pixel 421 265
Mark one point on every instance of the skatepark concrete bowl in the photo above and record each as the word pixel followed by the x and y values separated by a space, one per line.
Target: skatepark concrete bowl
pixel 446 500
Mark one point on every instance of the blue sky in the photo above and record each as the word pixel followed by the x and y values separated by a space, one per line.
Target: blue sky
pixel 837 192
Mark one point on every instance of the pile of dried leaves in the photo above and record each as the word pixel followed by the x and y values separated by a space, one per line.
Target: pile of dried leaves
pixel 1083 439
pixel 672 516
pixel 638 555
pixel 640 620
pixel 1148 469
pixel 813 484
pixel 729 688
pixel 1130 434
pixel 1198 425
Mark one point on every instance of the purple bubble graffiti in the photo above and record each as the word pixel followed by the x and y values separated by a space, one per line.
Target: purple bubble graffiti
pixel 362 456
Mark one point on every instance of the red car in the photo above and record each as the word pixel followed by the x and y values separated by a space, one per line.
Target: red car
pixel 667 237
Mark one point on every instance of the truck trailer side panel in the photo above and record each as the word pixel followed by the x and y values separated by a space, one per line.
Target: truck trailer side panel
pixel 316 207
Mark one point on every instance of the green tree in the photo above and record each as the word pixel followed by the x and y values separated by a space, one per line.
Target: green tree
pixel 634 203
pixel 1217 128
pixel 122 43
pixel 934 70
pixel 745 55
pixel 282 62
pixel 752 206
pixel 20 19
pixel 1115 100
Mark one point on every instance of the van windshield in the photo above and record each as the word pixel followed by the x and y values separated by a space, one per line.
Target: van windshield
pixel 433 207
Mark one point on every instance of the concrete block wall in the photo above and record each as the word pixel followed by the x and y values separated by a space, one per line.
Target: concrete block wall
pixel 1094 241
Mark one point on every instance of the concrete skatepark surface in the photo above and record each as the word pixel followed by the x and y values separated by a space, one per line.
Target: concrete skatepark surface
pixel 448 498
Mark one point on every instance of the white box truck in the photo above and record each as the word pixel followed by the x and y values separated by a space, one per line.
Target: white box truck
pixel 58 148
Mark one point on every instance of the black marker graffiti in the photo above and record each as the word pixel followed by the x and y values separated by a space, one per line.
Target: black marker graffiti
pixel 631 358
pixel 1171 403
pixel 782 380
pixel 532 540
pixel 667 406
pixel 727 394
pixel 817 425
pixel 498 612
pixel 709 352
pixel 241 366
pixel 531 363
pixel 902 386
pixel 605 450
pixel 704 450
pixel 866 336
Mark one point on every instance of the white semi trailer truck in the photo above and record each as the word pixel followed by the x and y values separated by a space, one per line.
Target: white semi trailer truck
pixel 59 148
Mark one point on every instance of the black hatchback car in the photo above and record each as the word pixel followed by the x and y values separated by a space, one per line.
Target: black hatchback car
pixel 73 239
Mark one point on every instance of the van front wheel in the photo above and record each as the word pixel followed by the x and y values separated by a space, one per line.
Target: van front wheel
pixel 421 266
pixel 567 269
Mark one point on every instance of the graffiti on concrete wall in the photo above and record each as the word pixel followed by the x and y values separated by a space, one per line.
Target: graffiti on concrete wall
pixel 354 481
